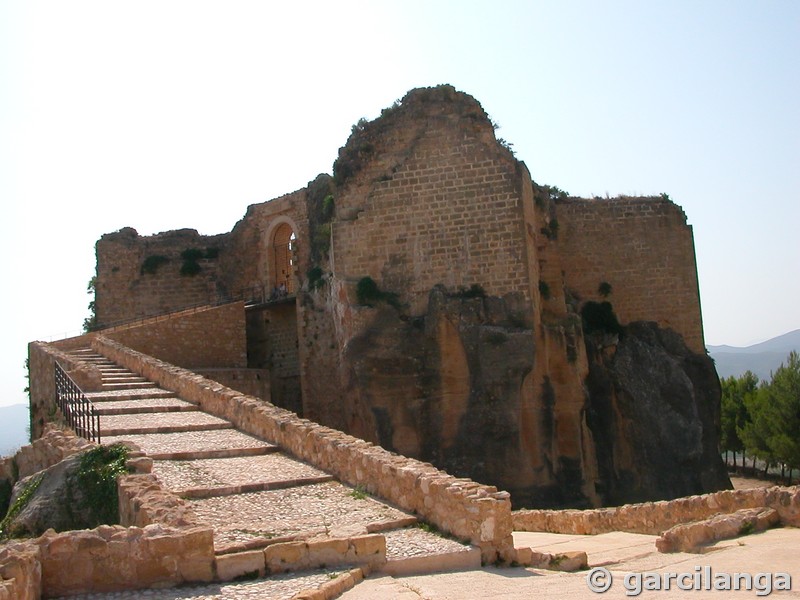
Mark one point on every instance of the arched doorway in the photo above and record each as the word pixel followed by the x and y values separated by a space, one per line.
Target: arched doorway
pixel 283 262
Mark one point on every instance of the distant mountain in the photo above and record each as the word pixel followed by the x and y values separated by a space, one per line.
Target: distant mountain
pixel 14 421
pixel 762 359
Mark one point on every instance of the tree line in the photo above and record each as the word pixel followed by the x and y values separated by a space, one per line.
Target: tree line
pixel 760 420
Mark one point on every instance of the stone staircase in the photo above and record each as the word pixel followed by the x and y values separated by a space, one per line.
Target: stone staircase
pixel 250 492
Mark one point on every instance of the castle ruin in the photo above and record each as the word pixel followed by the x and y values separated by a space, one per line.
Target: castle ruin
pixel 430 297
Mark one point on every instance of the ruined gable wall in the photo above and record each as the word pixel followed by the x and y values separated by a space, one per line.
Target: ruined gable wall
pixel 440 203
pixel 644 248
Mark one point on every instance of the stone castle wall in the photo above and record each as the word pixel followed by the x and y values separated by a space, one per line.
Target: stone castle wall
pixel 447 209
pixel 644 248
pixel 140 276
pixel 196 339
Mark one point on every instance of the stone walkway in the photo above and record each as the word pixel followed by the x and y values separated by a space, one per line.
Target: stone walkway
pixel 277 587
pixel 247 490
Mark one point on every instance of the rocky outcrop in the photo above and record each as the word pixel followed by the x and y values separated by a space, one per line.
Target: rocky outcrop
pixel 654 412
pixel 445 388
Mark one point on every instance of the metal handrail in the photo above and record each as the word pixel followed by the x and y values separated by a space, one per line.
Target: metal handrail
pixel 79 412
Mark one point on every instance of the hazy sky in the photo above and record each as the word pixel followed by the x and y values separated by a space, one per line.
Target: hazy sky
pixel 162 115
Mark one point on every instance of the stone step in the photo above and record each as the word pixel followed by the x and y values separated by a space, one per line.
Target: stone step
pixel 421 550
pixel 223 473
pixel 136 424
pixel 129 394
pixel 203 492
pixel 133 385
pixel 114 370
pixel 144 406
pixel 255 520
pixel 122 378
pixel 223 443
pixel 301 584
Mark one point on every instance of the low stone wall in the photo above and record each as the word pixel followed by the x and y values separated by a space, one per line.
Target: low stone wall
pixel 20 571
pixel 461 507
pixel 142 502
pixel 691 537
pixel 364 550
pixel 111 558
pixel 158 544
pixel 654 518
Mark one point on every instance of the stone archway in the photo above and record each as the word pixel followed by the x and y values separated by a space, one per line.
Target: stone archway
pixel 282 260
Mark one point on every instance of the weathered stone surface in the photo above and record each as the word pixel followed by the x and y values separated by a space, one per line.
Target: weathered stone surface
pixel 653 411
pixel 691 537
pixel 58 502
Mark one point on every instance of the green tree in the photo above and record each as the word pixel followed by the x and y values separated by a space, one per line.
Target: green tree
pixel 90 322
pixel 783 397
pixel 759 429
pixel 734 415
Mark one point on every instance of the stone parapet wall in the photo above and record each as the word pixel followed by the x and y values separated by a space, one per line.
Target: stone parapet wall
pixel 158 544
pixel 366 550
pixel 644 248
pixel 654 518
pixel 462 507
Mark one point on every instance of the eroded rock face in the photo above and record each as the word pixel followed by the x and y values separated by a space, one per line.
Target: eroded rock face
pixel 458 387
pixel 654 413
pixel 445 387
pixel 58 502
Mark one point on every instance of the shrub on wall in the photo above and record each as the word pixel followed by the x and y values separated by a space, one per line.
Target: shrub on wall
pixel 544 289
pixel 369 294
pixel 152 263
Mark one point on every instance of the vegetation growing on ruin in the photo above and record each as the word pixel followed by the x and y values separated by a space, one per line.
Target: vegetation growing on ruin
pixel 369 294
pixel 19 504
pixel 321 209
pixel 315 278
pixel 152 263
pixel 604 289
pixel 359 493
pixel 97 479
pixel 551 229
pixel 543 195
pixel 544 289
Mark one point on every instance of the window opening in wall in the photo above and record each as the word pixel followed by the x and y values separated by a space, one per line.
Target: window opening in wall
pixel 284 249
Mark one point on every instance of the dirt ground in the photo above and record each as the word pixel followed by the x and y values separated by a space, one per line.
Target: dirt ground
pixel 744 483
